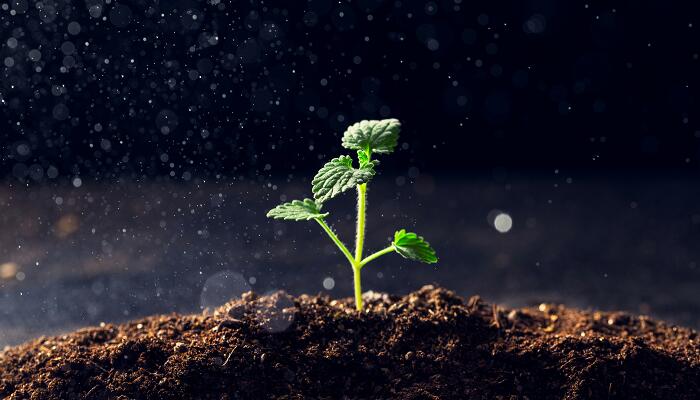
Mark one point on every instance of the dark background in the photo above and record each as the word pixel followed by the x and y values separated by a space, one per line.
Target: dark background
pixel 217 89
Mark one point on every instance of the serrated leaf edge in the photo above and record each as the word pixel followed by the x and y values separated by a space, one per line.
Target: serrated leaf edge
pixel 317 183
pixel 400 234
pixel 363 124
pixel 303 203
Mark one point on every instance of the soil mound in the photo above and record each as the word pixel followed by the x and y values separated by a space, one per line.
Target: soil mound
pixel 430 344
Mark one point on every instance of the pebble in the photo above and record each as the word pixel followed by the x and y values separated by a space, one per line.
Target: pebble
pixel 248 296
pixel 227 323
pixel 236 312
pixel 180 347
pixel 396 307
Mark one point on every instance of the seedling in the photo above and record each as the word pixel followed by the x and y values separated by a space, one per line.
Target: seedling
pixel 339 175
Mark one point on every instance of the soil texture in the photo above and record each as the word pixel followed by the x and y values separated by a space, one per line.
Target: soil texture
pixel 429 344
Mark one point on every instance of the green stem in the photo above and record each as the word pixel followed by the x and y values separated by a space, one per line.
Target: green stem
pixel 376 255
pixel 358 288
pixel 361 207
pixel 359 243
pixel 337 241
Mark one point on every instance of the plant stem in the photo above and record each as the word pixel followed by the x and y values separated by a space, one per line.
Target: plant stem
pixel 359 243
pixel 358 287
pixel 361 207
pixel 376 255
pixel 337 241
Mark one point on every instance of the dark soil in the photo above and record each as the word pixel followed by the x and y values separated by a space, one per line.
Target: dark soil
pixel 431 344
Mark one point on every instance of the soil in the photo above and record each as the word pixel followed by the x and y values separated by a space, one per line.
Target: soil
pixel 430 344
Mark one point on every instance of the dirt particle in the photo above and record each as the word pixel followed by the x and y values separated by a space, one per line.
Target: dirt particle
pixel 513 315
pixel 248 296
pixel 236 311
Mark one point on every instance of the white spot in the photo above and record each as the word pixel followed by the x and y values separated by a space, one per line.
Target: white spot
pixel 503 223
pixel 433 44
pixel 328 283
pixel 222 287
pixel 34 55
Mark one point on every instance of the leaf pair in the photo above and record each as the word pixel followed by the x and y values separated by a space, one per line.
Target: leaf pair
pixel 338 175
pixel 367 137
pixel 407 244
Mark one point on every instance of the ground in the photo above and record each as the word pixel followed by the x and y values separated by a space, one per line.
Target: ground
pixel 430 344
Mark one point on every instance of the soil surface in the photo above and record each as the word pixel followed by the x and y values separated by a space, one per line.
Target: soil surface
pixel 430 344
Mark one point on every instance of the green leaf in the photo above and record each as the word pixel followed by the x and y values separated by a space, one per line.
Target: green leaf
pixel 363 157
pixel 337 176
pixel 377 136
pixel 413 247
pixel 297 210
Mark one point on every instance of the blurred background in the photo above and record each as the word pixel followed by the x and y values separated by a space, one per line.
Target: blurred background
pixel 549 152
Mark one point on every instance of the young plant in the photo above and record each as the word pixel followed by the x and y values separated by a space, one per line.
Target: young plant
pixel 368 138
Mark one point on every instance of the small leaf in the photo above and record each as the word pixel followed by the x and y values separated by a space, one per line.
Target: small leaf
pixel 337 176
pixel 413 247
pixel 362 157
pixel 297 210
pixel 377 136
